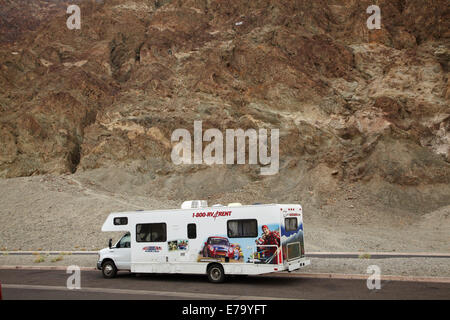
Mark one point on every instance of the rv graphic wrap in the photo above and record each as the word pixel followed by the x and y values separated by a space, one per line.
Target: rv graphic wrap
pixel 268 245
pixel 292 242
pixel 211 214
pixel 243 239
pixel 262 249
pixel 152 249
pixel 178 245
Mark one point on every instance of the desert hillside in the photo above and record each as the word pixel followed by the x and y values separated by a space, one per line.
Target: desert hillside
pixel 364 115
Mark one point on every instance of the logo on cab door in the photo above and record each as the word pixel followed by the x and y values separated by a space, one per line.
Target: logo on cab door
pixel 152 249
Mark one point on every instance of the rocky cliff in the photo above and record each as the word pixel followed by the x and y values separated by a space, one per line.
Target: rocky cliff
pixel 355 107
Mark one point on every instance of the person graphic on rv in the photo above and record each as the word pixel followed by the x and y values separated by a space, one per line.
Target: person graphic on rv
pixel 265 245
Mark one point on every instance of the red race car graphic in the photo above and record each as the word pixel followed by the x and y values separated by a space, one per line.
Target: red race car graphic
pixel 218 247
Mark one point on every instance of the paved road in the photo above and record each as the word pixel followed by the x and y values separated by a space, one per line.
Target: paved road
pixel 44 284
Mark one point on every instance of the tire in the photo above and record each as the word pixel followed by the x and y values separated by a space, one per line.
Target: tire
pixel 215 273
pixel 109 269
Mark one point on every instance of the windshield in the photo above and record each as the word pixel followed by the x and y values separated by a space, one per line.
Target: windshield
pixel 219 241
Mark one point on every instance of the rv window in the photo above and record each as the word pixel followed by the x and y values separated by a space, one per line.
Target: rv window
pixel 291 224
pixel 120 221
pixel 151 232
pixel 242 228
pixel 192 231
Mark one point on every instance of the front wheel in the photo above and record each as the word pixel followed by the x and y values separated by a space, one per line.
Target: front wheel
pixel 109 270
pixel 216 273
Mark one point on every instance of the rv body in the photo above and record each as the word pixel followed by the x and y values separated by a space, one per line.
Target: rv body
pixel 235 240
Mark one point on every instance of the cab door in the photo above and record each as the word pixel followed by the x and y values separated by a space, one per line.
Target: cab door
pixel 122 253
pixel 150 252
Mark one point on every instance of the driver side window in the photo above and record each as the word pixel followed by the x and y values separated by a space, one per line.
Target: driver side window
pixel 124 242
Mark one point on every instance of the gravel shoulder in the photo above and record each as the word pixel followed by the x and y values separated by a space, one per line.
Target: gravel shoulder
pixel 66 213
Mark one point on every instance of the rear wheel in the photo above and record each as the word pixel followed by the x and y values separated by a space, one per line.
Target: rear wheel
pixel 215 273
pixel 109 270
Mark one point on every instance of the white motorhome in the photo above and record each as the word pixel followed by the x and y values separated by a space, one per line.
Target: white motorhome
pixel 216 241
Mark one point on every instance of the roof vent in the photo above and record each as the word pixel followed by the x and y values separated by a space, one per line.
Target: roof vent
pixel 194 204
pixel 234 204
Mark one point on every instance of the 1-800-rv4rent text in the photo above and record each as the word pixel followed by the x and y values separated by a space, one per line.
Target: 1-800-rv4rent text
pixel 216 241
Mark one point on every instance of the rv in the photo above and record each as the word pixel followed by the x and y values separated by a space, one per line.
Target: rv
pixel 197 239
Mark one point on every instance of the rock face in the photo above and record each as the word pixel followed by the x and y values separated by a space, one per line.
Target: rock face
pixel 353 105
pixel 19 17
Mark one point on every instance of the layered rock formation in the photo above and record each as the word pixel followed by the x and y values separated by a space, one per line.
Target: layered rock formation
pixel 353 105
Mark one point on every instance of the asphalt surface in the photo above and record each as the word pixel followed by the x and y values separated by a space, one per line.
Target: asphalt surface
pixel 45 284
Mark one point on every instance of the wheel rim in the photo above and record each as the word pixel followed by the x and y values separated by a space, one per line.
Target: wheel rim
pixel 216 273
pixel 108 269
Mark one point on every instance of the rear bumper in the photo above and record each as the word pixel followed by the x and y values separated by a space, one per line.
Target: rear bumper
pixel 297 264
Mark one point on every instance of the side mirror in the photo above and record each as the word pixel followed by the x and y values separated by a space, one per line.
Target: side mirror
pixel 110 243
